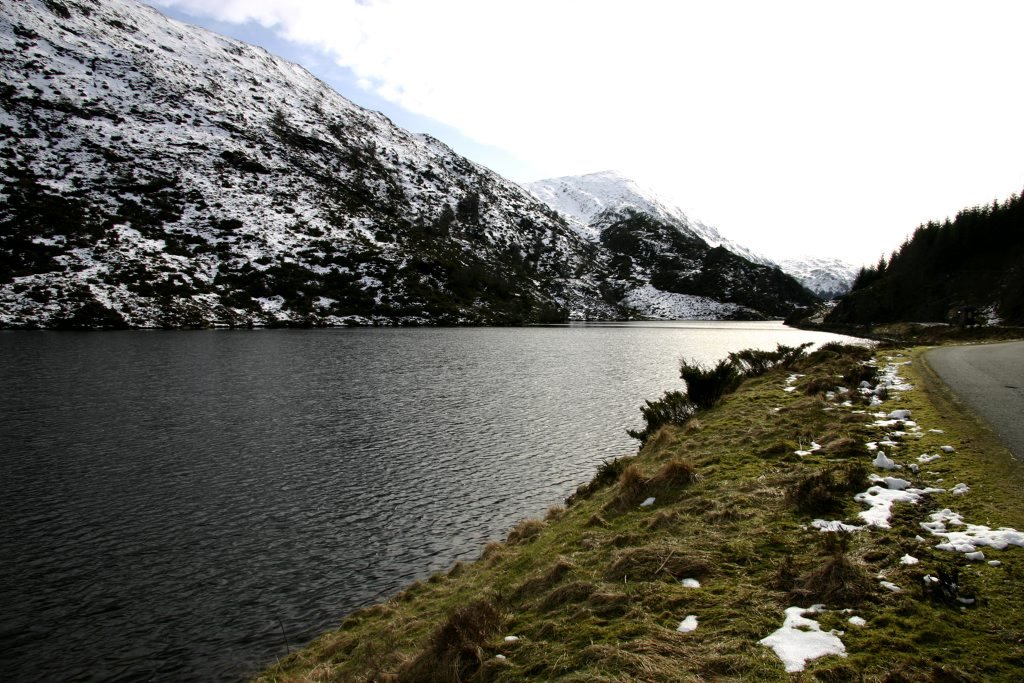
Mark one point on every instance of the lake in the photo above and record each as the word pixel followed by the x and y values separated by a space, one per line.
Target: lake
pixel 190 505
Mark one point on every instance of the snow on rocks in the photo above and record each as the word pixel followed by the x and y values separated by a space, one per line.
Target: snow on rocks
pixel 690 583
pixel 858 621
pixel 909 560
pixel 511 639
pixel 647 503
pixel 800 639
pixel 901 414
pixel 890 586
pixel 688 624
pixel 925 458
pixel 947 449
pixel 960 489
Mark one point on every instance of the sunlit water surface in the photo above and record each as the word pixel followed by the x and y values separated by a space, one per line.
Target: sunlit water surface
pixel 189 505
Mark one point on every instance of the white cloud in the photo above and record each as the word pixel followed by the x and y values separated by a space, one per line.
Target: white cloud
pixel 838 125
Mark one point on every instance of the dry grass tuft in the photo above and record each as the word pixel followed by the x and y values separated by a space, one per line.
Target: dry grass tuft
pixel 842 447
pixel 827 490
pixel 725 513
pixel 839 580
pixel 673 475
pixel 554 512
pixel 777 449
pixel 455 651
pixel 663 520
pixel 575 592
pixel 817 386
pixel 526 531
pixel 659 560
pixel 786 574
pixel 597 520
pixel 493 551
pixel 630 490
pixel 538 584
pixel 634 488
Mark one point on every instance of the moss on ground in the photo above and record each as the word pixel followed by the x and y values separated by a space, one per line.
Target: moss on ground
pixel 595 593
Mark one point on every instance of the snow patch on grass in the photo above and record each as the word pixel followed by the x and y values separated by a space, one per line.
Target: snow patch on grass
pixel 801 639
pixel 688 624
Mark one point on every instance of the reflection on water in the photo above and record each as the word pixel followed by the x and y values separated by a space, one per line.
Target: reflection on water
pixel 172 502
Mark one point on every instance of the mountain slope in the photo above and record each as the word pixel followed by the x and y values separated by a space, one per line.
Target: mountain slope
pixel 663 260
pixel 155 174
pixel 829 278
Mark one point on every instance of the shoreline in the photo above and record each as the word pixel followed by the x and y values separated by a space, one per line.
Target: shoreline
pixel 597 589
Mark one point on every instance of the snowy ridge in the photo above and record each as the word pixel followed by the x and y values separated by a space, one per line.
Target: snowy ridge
pixel 829 278
pixel 589 201
pixel 664 262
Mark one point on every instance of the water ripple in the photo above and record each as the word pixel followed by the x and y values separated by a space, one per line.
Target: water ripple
pixel 172 502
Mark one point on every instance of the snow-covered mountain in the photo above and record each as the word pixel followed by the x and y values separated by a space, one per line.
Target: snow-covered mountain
pixel 829 278
pixel 662 258
pixel 155 174
pixel 594 200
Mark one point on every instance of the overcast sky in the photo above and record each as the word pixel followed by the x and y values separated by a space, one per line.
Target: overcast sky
pixel 825 128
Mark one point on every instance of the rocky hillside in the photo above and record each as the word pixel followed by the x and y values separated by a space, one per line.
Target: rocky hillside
pixel 154 174
pixel 662 258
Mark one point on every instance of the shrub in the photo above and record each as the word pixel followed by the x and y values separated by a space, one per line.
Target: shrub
pixel 608 473
pixel 755 362
pixel 706 386
pixel 856 373
pixel 672 408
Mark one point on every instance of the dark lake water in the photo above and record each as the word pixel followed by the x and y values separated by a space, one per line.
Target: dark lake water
pixel 177 505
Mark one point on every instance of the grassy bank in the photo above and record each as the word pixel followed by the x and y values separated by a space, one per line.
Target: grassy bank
pixel 599 590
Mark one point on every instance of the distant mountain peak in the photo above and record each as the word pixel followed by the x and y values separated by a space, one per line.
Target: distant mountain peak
pixel 827 277
pixel 589 199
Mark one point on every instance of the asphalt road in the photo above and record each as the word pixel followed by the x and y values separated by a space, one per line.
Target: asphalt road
pixel 989 379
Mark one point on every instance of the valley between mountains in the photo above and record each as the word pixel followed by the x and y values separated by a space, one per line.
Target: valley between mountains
pixel 156 175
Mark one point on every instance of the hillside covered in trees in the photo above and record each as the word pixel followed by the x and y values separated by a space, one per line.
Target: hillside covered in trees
pixel 974 263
